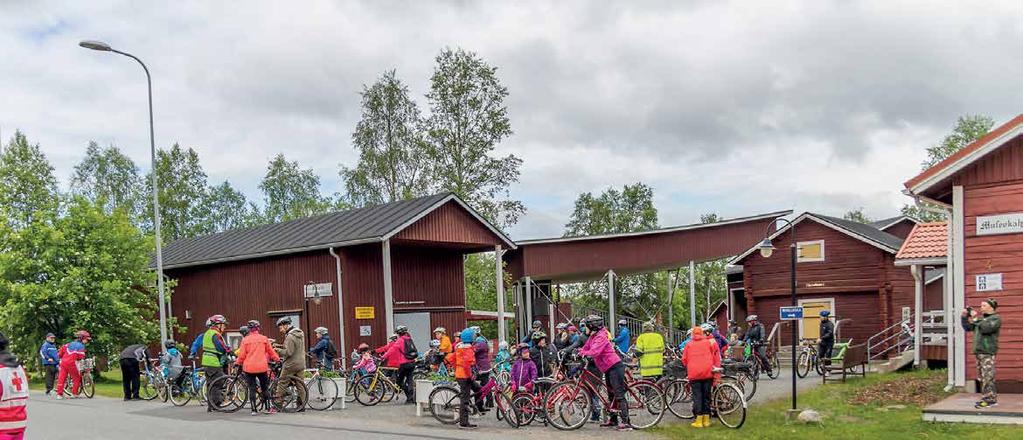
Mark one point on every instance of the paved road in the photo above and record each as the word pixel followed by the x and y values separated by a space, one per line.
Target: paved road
pixel 103 418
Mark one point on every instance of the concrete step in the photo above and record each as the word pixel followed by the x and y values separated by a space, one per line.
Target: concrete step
pixel 892 364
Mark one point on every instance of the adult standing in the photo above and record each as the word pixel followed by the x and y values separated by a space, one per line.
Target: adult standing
pixel 650 347
pixel 985 326
pixel 13 394
pixel 254 356
pixel 826 342
pixel 130 360
pixel 624 338
pixel 528 338
pixel 324 350
pixel 701 357
pixel 48 355
pixel 214 357
pixel 399 355
pixel 481 349
pixel 292 353
pixel 74 351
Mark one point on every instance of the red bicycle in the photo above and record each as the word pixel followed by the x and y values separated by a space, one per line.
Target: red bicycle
pixel 569 404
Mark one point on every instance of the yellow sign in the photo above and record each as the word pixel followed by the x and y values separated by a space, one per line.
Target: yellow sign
pixel 364 313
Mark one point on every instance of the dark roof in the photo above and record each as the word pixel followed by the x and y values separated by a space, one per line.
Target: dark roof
pixel 343 228
pixel 884 224
pixel 864 230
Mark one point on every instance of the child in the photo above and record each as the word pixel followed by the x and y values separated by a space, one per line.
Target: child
pixel 366 365
pixel 701 358
pixel 503 357
pixel 523 373
pixel 464 358
pixel 171 362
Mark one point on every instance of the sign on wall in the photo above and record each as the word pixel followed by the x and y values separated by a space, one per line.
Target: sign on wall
pixel 790 313
pixel 318 289
pixel 365 330
pixel 989 282
pixel 1011 223
pixel 364 313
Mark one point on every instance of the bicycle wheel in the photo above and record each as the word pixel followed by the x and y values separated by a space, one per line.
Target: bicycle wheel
pixel 803 364
pixel 368 392
pixel 524 408
pixel 679 398
pixel 289 394
pixel 646 404
pixel 775 367
pixel 568 405
pixel 819 365
pixel 322 393
pixel 445 404
pixel 350 389
pixel 729 405
pixel 747 387
pixel 147 390
pixel 88 385
pixel 180 396
pixel 506 410
pixel 227 394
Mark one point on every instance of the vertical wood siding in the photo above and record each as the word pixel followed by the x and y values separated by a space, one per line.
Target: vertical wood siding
pixel 449 224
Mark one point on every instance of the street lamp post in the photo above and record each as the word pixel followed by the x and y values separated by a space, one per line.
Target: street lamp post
pixel 766 250
pixel 104 47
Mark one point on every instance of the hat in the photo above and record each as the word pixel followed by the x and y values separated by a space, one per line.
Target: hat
pixel 992 303
pixel 51 335
pixel 697 331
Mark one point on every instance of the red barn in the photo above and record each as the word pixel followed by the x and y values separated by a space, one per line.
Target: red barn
pixel 981 186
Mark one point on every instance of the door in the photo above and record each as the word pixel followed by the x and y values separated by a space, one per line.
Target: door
pixel 418 327
pixel 810 326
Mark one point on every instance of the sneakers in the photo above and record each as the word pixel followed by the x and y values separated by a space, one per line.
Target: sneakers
pixel 467 426
pixel 984 404
pixel 623 427
pixel 254 413
pixel 271 410
pixel 60 397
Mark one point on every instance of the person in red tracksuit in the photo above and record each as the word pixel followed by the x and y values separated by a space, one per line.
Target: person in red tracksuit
pixel 702 359
pixel 71 353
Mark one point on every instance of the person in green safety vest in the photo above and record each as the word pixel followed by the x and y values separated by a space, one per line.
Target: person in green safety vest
pixel 650 347
pixel 214 357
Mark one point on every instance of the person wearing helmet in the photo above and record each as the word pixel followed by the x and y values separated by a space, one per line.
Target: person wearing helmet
pixel 502 360
pixel 324 350
pixel 561 339
pixel 528 339
pixel 366 365
pixel 464 359
pixel 254 357
pixel 171 363
pixel 481 347
pixel 441 334
pixel 292 353
pixel 826 341
pixel 624 338
pixel 602 351
pixel 71 353
pixel 756 337
pixel 400 355
pixel 13 393
pixel 215 354
pixel 543 354
pixel 650 348
pixel 710 330
pixel 701 358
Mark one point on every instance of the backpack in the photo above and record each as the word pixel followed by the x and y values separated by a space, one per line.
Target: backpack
pixel 410 351
pixel 331 349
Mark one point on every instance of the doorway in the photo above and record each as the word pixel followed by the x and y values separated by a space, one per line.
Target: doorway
pixel 810 325
pixel 418 327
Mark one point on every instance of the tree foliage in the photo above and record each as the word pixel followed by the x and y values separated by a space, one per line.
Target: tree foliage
pixel 226 208
pixel 468 118
pixel 110 179
pixel 390 139
pixel 290 192
pixel 857 216
pixel 28 188
pixel 182 183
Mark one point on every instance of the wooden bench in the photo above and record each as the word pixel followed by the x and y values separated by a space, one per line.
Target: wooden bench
pixel 855 356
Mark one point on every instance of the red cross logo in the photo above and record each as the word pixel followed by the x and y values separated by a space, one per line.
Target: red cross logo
pixel 16 382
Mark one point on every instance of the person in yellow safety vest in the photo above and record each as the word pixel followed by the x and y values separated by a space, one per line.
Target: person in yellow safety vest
pixel 214 357
pixel 650 347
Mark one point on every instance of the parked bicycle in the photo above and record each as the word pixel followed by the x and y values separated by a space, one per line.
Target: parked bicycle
pixel 193 386
pixel 726 402
pixel 88 387
pixel 570 403
pixel 446 405
pixel 808 360
pixel 322 391
pixel 377 387
pixel 153 383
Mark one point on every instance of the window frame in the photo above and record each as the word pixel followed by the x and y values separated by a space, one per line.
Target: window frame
pixel 799 248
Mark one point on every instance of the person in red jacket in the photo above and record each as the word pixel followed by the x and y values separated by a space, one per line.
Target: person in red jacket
pixel 398 356
pixel 13 395
pixel 71 353
pixel 702 360
pixel 254 356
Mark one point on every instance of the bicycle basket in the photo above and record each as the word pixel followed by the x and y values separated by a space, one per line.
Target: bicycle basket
pixel 675 369
pixel 86 364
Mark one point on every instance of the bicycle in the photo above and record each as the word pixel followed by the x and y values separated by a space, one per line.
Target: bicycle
pixel 740 374
pixel 88 386
pixel 529 405
pixel 758 364
pixel 446 403
pixel 726 402
pixel 193 385
pixel 322 391
pixel 153 383
pixel 808 359
pixel 376 387
pixel 569 404
pixel 288 393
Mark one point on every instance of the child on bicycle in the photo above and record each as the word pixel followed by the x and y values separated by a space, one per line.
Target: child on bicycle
pixel 502 359
pixel 171 362
pixel 366 365
pixel 464 359
pixel 701 358
pixel 523 373
pixel 599 347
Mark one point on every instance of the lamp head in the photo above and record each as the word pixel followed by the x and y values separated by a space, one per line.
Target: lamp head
pixel 766 248
pixel 95 45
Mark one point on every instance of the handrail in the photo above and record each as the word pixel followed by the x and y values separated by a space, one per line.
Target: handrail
pixel 883 333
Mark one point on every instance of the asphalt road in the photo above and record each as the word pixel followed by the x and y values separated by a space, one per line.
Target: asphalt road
pixel 104 418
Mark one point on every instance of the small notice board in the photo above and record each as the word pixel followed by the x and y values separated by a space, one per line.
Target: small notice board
pixel 364 313
pixel 790 313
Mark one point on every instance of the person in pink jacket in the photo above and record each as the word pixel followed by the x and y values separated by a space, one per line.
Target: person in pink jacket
pixel 599 347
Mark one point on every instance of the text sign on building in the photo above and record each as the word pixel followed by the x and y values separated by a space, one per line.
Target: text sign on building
pixel 318 289
pixel 989 282
pixel 364 313
pixel 1000 224
pixel 365 330
pixel 790 313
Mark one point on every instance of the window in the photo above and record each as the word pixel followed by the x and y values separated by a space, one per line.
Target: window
pixel 233 339
pixel 810 251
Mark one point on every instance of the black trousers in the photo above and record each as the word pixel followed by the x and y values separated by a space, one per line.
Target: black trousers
pixel 404 380
pixel 824 352
pixel 51 375
pixel 214 395
pixel 615 381
pixel 701 396
pixel 467 389
pixel 259 389
pixel 130 378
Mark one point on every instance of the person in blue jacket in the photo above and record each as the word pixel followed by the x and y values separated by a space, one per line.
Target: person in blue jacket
pixel 623 339
pixel 324 350
pixel 48 354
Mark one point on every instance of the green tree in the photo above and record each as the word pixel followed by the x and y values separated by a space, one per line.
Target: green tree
pixel 111 179
pixel 226 208
pixel 391 145
pixel 857 216
pixel 468 118
pixel 923 214
pixel 28 188
pixel 290 192
pixel 182 191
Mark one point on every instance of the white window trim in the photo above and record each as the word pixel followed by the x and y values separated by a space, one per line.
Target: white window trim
pixel 800 259
pixel 815 300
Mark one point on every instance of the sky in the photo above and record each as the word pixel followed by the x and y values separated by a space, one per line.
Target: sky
pixel 731 107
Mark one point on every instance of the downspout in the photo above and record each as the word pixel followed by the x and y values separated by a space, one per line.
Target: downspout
pixel 340 310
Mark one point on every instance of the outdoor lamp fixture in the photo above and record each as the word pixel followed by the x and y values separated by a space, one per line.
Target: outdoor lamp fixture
pixel 766 250
pixel 104 47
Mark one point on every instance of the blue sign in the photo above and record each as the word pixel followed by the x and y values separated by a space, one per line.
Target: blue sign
pixel 790 313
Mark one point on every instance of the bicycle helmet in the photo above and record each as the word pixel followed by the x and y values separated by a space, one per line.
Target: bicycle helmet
pixel 594 322
pixel 648 326
pixel 707 328
pixel 217 319
pixel 392 338
pixel 320 331
pixel 477 330
pixel 253 324
pixel 572 328
pixel 467 336
pixel 209 323
pixel 363 347
pixel 539 335
pixel 751 318
pixel 537 324
pixel 284 320
pixel 503 345
pixel 435 344
pixel 170 344
pixel 441 330
pixel 623 322
pixel 561 326
pixel 689 332
pixel 83 335
pixel 825 313
pixel 401 329
pixel 244 330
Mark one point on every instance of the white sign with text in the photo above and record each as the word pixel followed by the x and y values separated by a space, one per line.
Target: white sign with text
pixel 989 282
pixel 1000 224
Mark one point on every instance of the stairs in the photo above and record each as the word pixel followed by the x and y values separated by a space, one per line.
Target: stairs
pixel 893 364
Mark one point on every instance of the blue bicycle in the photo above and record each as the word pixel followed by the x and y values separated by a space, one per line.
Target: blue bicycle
pixel 193 385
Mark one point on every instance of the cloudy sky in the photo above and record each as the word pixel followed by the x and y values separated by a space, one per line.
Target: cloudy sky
pixel 720 106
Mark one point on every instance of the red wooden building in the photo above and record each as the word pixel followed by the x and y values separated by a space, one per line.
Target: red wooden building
pixel 981 186
pixel 843 266
pixel 371 269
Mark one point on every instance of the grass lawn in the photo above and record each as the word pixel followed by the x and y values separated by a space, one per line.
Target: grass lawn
pixel 846 419
pixel 107 385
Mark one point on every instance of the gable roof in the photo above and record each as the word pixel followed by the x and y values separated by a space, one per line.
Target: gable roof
pixel 860 231
pixel 345 228
pixel 889 222
pixel 927 243
pixel 964 157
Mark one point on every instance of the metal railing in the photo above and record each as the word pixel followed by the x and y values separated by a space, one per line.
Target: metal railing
pixel 933 328
pixel 895 339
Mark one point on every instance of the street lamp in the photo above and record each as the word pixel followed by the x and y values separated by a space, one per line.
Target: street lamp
pixel 104 47
pixel 766 250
